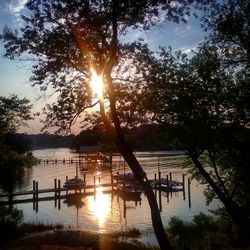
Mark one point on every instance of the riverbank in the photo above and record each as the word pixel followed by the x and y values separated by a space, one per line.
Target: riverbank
pixel 204 232
pixel 128 240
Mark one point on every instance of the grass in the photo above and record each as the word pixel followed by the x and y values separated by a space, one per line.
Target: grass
pixel 204 232
pixel 127 240
pixel 31 227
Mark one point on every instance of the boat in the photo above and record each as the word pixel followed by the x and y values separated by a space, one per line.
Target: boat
pixel 129 192
pixel 168 184
pixel 126 177
pixel 74 183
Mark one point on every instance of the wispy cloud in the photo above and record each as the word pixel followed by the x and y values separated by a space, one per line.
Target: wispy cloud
pixel 16 6
pixel 183 31
pixel 188 49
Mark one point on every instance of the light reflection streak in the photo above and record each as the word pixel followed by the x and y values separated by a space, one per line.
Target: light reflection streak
pixel 99 205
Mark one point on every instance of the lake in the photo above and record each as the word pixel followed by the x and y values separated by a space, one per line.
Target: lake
pixel 106 212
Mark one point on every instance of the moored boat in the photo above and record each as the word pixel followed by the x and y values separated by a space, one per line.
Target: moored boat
pixel 168 184
pixel 129 191
pixel 126 177
pixel 75 183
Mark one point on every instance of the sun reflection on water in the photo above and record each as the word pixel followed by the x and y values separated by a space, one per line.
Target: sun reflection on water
pixel 100 206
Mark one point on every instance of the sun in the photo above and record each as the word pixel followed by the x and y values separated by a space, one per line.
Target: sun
pixel 96 84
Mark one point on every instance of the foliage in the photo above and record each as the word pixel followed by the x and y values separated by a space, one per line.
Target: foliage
pixel 10 219
pixel 13 113
pixel 70 37
pixel 49 140
pixel 228 23
pixel 202 105
pixel 31 227
pixel 204 232
pixel 117 240
pixel 67 39
pixel 142 138
pixel 14 156
pixel 89 137
pixel 14 165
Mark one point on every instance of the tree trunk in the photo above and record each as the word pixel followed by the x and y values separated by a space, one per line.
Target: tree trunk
pixel 231 207
pixel 137 170
pixel 241 222
pixel 122 144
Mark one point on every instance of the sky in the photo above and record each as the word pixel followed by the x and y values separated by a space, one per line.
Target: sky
pixel 14 75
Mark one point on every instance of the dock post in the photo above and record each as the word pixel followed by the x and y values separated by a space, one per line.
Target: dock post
pixel 170 187
pixel 36 204
pixel 84 179
pixel 112 181
pixel 59 204
pixel 160 203
pixel 159 176
pixel 155 181
pixel 167 183
pixel 34 195
pixel 158 163
pixel 117 181
pixel 183 186
pixel 110 159
pixel 189 194
pixel 59 187
pixel 67 180
pixel 94 185
pixel 59 193
pixel 36 189
pixel 55 186
pixel 167 196
pixel 99 179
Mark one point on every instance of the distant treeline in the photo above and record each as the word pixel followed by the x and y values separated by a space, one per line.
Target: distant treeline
pixel 143 138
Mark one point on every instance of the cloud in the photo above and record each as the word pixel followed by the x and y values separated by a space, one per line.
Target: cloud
pixel 186 18
pixel 183 31
pixel 187 49
pixel 16 6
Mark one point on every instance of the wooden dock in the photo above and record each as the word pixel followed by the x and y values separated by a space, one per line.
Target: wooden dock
pixel 49 198
pixel 52 190
pixel 59 192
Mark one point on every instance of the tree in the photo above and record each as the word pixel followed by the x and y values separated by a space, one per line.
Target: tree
pixel 13 113
pixel 14 156
pixel 229 26
pixel 202 104
pixel 10 219
pixel 65 39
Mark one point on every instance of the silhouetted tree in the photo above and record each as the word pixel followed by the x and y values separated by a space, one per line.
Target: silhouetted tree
pixel 14 159
pixel 202 104
pixel 67 38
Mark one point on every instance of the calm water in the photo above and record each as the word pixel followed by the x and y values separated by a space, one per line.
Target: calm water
pixel 107 212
